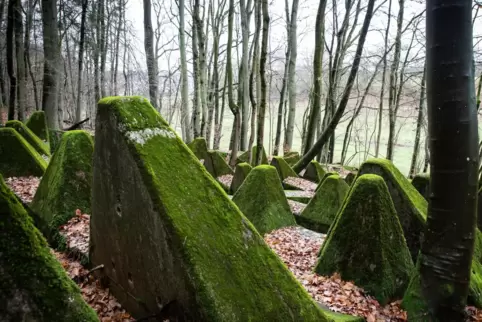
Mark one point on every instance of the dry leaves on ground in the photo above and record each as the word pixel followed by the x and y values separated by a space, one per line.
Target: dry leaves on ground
pixel 24 187
pixel 296 207
pixel 300 183
pixel 226 180
pixel 76 232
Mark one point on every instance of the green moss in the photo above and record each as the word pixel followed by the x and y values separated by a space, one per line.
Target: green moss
pixel 217 165
pixel 283 168
pixel 314 172
pixel 66 185
pixel 413 302
pixel 37 123
pixel 219 267
pixel 321 211
pixel 350 177
pixel 366 243
pixel 41 147
pixel 327 174
pixel 199 147
pixel 262 200
pixel 240 174
pixel 17 157
pixel 55 137
pixel 339 317
pixel 34 285
pixel 421 182
pixel 244 157
pixel 291 158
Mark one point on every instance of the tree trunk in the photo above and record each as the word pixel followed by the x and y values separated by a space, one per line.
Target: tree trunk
pixel 264 88
pixel 254 77
pixel 20 60
pixel 103 46
pixel 317 81
pixel 392 94
pixel 151 60
pixel 3 92
pixel 229 78
pixel 196 107
pixel 10 58
pixel 243 86
pixel 79 109
pixel 52 58
pixel 328 131
pixel 201 36
pixel 186 131
pixel 28 65
pixel 447 249
pixel 97 7
pixel 420 117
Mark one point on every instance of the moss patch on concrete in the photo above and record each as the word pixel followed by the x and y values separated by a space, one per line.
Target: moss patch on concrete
pixel 66 185
pixel 327 174
pixel 314 172
pixel 321 211
pixel 283 168
pixel 350 178
pixel 262 200
pixel 37 123
pixel 55 136
pixel 41 147
pixel 291 158
pixel 34 285
pixel 366 243
pixel 199 147
pixel 244 157
pixel 216 164
pixel 240 174
pixel 421 182
pixel 17 157
pixel 175 240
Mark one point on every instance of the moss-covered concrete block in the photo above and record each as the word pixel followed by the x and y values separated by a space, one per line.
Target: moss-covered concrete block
pixel 262 200
pixel 216 164
pixel 33 284
pixel 175 241
pixel 291 158
pixel 199 147
pixel 55 136
pixel 41 147
pixel 244 157
pixel 283 168
pixel 325 176
pixel 411 209
pixel 366 243
pixel 17 157
pixel 350 177
pixel 314 172
pixel 421 182
pixel 321 211
pixel 37 123
pixel 66 185
pixel 240 174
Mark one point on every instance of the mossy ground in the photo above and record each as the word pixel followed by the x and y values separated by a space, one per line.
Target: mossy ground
pixel 66 185
pixel 41 147
pixel 240 174
pixel 17 157
pixel 219 267
pixel 314 172
pixel 291 158
pixel 366 243
pixel 283 168
pixel 37 123
pixel 244 157
pixel 216 164
pixel 321 211
pixel 421 182
pixel 33 284
pixel 412 210
pixel 262 200
pixel 199 147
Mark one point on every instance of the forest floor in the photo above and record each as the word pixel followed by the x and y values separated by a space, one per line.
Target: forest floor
pixel 297 247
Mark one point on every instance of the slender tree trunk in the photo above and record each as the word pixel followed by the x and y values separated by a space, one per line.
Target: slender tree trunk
pixel 243 87
pixel 293 43
pixel 151 60
pixel 186 131
pixel 384 76
pixel 79 109
pixel 264 86
pixel 420 117
pixel 28 64
pixel 103 46
pixel 97 8
pixel 121 20
pixel 447 249
pixel 202 71
pixel 11 58
pixel 20 60
pixel 328 131
pixel 196 108
pixel 392 94
pixel 229 78
pixel 3 91
pixel 317 81
pixel 254 78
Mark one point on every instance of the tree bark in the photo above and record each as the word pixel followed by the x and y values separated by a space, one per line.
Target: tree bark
pixel 11 58
pixel 20 60
pixel 3 92
pixel 420 117
pixel 186 131
pixel 447 249
pixel 229 78
pixel 151 60
pixel 243 86
pixel 52 58
pixel 328 131
pixel 79 110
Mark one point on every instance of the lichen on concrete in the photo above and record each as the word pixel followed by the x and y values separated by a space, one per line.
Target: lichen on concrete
pixel 66 185
pixel 33 284
pixel 176 243
pixel 321 211
pixel 366 243
pixel 17 157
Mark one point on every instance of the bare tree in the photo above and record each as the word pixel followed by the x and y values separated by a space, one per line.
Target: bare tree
pixel 151 60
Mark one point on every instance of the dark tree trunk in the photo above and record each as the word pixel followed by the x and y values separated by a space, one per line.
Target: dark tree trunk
pixel 10 58
pixel 3 93
pixel 447 249
pixel 416 146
